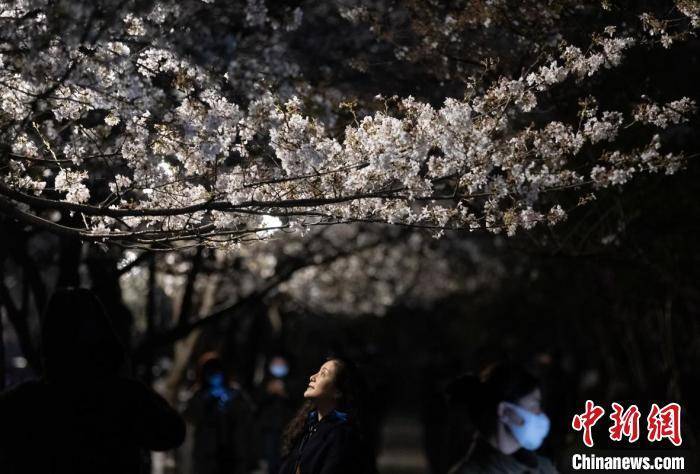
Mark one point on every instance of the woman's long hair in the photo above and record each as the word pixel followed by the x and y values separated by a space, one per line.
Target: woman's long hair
pixel 482 393
pixel 351 386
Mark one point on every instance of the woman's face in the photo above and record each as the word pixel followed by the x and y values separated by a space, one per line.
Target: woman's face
pixel 524 422
pixel 531 402
pixel 322 383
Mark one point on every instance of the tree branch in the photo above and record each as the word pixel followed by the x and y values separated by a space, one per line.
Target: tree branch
pixel 230 310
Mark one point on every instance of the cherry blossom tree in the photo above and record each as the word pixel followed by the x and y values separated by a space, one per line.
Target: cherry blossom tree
pixel 132 124
pixel 321 135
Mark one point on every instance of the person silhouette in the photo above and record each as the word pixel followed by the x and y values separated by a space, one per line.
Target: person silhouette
pixel 221 415
pixel 505 404
pixel 82 416
pixel 275 410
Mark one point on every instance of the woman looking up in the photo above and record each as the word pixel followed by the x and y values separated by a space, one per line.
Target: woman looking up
pixel 325 436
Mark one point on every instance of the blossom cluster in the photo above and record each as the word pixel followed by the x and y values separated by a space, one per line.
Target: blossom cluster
pixel 152 163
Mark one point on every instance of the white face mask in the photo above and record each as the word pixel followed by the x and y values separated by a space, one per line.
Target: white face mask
pixel 534 429
pixel 279 370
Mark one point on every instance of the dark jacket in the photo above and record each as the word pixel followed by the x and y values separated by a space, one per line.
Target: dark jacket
pixel 274 412
pixel 82 417
pixel 222 432
pixel 483 458
pixel 329 446
pixel 105 426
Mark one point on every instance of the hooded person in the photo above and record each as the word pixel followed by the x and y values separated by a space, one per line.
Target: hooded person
pixel 82 415
pixel 221 415
pixel 504 403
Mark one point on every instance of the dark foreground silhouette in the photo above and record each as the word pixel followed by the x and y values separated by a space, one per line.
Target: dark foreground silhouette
pixel 82 416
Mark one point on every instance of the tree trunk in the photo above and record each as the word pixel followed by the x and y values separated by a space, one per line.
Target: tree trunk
pixel 2 353
pixel 184 348
pixel 104 275
pixel 69 263
pixel 18 319
pixel 147 369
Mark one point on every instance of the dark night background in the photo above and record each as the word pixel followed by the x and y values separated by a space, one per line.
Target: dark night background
pixel 604 306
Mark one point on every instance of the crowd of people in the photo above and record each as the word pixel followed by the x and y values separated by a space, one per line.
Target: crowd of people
pixel 85 416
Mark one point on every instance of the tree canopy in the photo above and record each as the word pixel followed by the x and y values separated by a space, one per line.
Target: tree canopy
pixel 217 123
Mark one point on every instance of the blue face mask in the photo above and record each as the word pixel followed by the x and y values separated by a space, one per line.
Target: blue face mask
pixel 279 370
pixel 218 389
pixel 216 380
pixel 534 429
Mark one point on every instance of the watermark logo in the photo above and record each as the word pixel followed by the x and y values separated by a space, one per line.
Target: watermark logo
pixel 587 420
pixel 625 423
pixel 665 423
pixel 662 423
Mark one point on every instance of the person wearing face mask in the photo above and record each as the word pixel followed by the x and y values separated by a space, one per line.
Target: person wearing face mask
pixel 326 437
pixel 221 415
pixel 275 409
pixel 504 403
